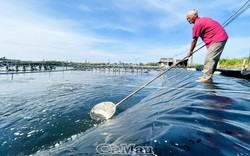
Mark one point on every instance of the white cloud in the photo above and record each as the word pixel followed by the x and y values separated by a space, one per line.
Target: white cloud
pixel 30 34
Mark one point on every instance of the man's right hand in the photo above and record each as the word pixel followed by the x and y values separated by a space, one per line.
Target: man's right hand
pixel 190 53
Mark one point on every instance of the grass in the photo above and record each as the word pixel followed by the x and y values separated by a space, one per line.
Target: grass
pixel 232 63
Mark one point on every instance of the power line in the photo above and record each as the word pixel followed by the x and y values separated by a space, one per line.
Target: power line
pixel 237 13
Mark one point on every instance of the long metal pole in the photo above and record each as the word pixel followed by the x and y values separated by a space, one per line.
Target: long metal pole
pixel 155 78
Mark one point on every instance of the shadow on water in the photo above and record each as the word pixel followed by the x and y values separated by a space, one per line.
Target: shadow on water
pixel 181 117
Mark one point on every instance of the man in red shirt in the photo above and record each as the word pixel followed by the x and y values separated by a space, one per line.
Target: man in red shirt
pixel 213 35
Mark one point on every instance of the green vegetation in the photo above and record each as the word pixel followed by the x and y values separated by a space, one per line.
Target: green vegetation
pixel 228 63
pixel 232 63
pixel 152 64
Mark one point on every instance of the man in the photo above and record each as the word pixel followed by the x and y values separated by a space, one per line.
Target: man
pixel 213 35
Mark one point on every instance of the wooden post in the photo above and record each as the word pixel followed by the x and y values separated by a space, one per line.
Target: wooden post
pixel 248 67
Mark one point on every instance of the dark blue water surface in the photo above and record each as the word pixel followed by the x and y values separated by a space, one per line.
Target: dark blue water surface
pixel 48 114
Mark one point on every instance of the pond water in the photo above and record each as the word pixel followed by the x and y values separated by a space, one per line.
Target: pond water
pixel 48 114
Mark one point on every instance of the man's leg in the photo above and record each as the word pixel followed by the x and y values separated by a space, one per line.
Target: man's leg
pixel 212 59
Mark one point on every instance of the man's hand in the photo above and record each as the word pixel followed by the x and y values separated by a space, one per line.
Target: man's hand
pixel 193 44
pixel 190 53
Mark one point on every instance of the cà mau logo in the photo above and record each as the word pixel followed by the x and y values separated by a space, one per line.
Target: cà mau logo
pixel 124 149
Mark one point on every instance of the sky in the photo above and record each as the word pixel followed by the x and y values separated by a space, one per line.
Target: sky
pixel 133 31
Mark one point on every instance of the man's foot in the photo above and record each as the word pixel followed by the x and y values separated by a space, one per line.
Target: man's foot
pixel 201 79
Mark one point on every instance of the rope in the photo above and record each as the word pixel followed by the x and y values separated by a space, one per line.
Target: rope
pixel 237 13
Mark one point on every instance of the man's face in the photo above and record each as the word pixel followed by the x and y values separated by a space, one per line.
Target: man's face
pixel 191 18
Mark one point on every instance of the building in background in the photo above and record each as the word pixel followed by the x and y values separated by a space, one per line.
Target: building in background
pixel 167 62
